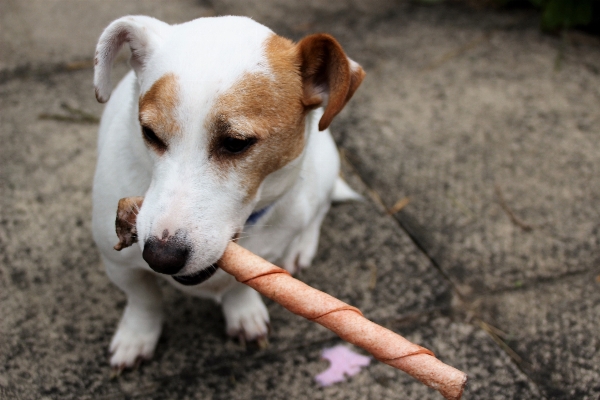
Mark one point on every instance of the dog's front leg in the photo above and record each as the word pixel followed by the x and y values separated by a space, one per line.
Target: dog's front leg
pixel 141 324
pixel 246 316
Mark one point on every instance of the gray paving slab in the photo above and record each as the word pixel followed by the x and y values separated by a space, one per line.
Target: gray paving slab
pixel 456 102
pixel 553 329
pixel 462 108
pixel 37 34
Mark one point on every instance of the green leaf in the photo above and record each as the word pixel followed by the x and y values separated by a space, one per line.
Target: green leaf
pixel 560 14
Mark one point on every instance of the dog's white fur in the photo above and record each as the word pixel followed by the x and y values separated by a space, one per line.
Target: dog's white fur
pixel 184 189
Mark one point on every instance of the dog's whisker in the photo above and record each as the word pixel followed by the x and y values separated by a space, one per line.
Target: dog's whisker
pixel 238 238
pixel 275 226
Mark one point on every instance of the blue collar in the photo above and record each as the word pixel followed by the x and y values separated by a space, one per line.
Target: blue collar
pixel 256 215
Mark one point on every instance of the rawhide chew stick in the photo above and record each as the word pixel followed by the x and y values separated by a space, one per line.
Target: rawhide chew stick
pixel 344 320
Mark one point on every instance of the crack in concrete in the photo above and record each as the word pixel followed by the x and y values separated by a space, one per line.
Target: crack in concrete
pixel 468 305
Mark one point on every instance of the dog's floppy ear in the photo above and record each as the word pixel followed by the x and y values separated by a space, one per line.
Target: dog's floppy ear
pixel 329 77
pixel 141 33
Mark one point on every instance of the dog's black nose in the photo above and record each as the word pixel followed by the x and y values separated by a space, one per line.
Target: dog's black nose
pixel 166 256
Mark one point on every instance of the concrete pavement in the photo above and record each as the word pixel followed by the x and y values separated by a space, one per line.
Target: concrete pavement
pixel 487 126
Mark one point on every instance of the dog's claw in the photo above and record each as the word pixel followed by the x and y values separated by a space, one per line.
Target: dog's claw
pixel 115 372
pixel 137 363
pixel 118 370
pixel 262 342
pixel 242 339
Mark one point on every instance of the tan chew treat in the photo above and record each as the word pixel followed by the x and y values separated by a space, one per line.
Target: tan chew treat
pixel 301 299
pixel 343 319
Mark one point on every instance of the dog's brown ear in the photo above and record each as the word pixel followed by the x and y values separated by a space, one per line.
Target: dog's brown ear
pixel 329 77
pixel 143 36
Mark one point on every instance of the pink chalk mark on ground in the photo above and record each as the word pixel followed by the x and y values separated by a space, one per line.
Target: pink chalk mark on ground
pixel 343 362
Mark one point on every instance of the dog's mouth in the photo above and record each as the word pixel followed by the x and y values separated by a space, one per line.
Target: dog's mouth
pixel 197 277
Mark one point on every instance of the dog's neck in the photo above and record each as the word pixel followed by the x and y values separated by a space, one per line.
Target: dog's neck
pixel 256 215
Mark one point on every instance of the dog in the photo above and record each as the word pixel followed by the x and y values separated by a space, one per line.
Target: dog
pixel 222 126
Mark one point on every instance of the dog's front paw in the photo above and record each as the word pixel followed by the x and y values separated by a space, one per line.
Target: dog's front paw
pixel 246 316
pixel 134 342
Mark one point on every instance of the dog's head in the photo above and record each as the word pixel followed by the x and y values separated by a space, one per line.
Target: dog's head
pixel 222 110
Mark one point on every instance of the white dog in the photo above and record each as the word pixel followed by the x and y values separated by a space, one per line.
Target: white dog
pixel 218 127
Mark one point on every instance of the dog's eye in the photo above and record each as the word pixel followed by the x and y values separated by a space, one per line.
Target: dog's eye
pixel 236 145
pixel 152 139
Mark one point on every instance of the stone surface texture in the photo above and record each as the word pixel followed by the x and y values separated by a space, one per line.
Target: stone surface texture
pixel 486 125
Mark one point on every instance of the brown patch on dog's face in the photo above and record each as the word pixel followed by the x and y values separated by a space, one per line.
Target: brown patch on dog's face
pixel 157 112
pixel 264 110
